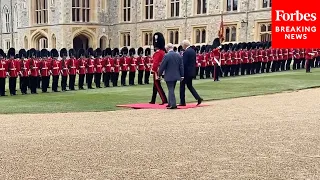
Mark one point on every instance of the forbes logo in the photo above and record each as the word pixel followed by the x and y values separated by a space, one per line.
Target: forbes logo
pixel 296 16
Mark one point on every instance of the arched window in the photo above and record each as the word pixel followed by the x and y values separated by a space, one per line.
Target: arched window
pixel 80 10
pixel 42 43
pixel 173 36
pixel 125 39
pixel 265 32
pixel 147 38
pixel 199 35
pixel 41 11
pixel 6 20
pixel 230 33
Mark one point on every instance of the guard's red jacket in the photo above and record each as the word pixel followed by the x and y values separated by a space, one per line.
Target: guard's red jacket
pixel 56 67
pixel 90 66
pixel 224 57
pixel 73 66
pixel 124 63
pixel 285 54
pixel 35 67
pixel 99 65
pixel 45 68
pixel 13 68
pixel 141 63
pixel 25 67
pixel 148 63
pixel 3 68
pixel 82 63
pixel 308 55
pixel 64 67
pixel 109 64
pixel 157 59
pixel 133 64
pixel 117 65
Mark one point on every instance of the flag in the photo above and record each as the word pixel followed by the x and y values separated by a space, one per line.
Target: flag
pixel 220 33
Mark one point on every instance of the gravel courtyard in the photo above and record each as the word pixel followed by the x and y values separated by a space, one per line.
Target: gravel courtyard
pixel 263 137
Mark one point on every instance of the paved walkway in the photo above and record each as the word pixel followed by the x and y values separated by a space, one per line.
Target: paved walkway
pixel 264 137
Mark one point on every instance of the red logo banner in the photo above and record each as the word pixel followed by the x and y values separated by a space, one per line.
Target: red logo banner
pixel 295 24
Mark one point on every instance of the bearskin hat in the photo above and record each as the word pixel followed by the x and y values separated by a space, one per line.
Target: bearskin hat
pixel 230 45
pixel 235 47
pixel 32 53
pixel 208 48
pixel 249 45
pixel 103 53
pixel 63 52
pixel 159 41
pixel 38 54
pixel 11 52
pixel 72 53
pixel 90 52
pixel 216 43
pixel 180 49
pixel 22 53
pixel 132 51
pixel 115 52
pixel 2 53
pixel 98 52
pixel 239 46
pixel 54 53
pixel 108 52
pixel 203 49
pixel 140 51
pixel 44 53
pixel 81 52
pixel 226 47
pixel 198 47
pixel 269 44
pixel 147 52
pixel 124 51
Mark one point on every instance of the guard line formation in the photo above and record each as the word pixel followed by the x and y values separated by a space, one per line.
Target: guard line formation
pixel 35 68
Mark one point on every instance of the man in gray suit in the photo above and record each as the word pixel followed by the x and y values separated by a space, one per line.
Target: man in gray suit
pixel 172 67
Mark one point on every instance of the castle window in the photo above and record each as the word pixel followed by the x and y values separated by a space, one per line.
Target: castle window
pixel 41 11
pixel 174 8
pixel 199 35
pixel 201 6
pixel 147 38
pixel 148 10
pixel 125 39
pixel 264 32
pixel 80 10
pixel 266 3
pixel 126 10
pixel 232 5
pixel 173 36
pixel 230 33
pixel 6 20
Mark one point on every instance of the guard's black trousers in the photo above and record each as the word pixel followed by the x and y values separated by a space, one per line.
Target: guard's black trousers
pixel 2 86
pixel 97 79
pixel 140 77
pixel 132 75
pixel 33 84
pixel 89 82
pixel 123 77
pixel 12 85
pixel 146 77
pixel 72 80
pixel 55 82
pixel 107 78
pixel 44 83
pixel 24 84
pixel 115 78
pixel 157 88
pixel 81 80
pixel 64 80
pixel 202 71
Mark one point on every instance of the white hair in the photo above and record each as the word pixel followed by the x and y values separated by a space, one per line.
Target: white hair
pixel 169 46
pixel 185 43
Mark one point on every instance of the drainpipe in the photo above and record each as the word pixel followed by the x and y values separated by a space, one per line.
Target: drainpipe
pixel 11 21
pixel 247 20
pixel 186 19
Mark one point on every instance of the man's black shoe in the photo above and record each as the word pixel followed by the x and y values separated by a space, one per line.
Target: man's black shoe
pixel 199 101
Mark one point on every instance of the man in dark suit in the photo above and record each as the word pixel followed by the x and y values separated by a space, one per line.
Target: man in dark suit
pixel 189 62
pixel 172 66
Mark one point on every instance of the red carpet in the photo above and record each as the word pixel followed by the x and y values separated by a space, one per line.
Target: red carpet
pixel 157 106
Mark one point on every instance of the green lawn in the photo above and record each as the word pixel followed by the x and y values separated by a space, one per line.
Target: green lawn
pixel 106 99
